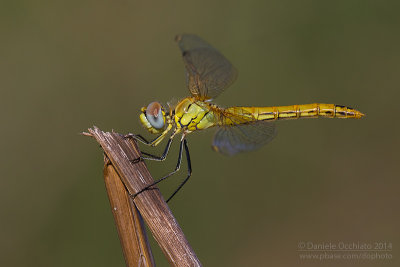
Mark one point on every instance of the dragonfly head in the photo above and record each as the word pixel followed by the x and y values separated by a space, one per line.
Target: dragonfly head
pixel 153 117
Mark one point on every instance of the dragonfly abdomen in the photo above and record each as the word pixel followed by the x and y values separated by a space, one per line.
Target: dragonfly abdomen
pixel 298 111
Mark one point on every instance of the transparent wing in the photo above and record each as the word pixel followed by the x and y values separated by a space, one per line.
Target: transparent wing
pixel 244 135
pixel 208 72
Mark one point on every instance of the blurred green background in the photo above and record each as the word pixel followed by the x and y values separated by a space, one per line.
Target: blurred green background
pixel 68 65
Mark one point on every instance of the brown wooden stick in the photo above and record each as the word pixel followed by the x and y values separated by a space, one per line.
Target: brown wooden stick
pixel 150 203
pixel 130 225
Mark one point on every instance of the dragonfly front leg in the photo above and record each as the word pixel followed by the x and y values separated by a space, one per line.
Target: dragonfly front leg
pixel 153 142
pixel 178 166
pixel 141 139
pixel 149 156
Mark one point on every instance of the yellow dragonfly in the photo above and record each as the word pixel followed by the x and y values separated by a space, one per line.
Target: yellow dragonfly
pixel 240 129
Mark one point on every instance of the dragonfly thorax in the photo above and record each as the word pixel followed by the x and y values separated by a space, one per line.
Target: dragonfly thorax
pixel 193 115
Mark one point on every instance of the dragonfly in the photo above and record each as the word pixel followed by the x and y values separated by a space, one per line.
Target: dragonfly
pixel 239 128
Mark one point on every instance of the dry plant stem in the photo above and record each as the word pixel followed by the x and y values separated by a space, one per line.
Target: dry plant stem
pixel 129 222
pixel 150 203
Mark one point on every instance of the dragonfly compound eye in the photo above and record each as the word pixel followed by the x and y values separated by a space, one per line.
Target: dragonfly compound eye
pixel 155 115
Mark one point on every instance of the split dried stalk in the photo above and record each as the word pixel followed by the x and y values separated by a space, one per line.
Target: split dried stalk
pixel 150 203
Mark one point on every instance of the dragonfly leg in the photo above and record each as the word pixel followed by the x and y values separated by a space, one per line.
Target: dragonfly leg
pixel 178 166
pixel 189 170
pixel 153 142
pixel 159 158
pixel 149 156
pixel 140 138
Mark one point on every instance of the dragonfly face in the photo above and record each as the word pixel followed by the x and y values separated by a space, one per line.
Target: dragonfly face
pixel 240 129
pixel 153 118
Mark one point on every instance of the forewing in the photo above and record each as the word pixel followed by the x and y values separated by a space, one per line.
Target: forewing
pixel 208 72
pixel 230 140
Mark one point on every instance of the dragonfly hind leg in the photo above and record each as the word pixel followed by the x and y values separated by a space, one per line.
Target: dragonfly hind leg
pixel 183 144
pixel 189 171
